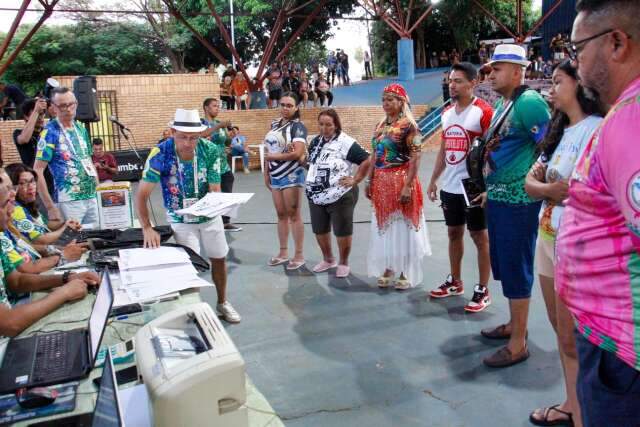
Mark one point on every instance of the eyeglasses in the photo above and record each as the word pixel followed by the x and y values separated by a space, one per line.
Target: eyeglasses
pixel 24 184
pixel 574 48
pixel 66 106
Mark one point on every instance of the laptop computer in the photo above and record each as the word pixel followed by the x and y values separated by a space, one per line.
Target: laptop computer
pixel 107 412
pixel 57 357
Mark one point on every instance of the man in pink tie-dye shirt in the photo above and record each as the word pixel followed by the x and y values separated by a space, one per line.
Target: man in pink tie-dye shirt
pixel 598 246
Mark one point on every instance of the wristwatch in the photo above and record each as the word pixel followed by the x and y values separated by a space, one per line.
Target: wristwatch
pixel 65 277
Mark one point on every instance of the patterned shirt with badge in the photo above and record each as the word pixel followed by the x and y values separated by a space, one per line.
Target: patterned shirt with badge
pixel 29 226
pixel 221 140
pixel 329 161
pixel 68 153
pixel 177 178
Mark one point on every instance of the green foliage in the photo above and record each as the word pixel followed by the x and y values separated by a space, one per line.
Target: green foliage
pixel 456 24
pixel 82 49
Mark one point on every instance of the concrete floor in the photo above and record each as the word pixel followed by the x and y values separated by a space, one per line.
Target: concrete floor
pixel 336 352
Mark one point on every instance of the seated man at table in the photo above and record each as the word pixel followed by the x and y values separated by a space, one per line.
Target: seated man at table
pixel 65 287
pixel 105 163
pixel 187 168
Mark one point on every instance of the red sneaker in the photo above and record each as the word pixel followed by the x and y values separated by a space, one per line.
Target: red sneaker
pixel 479 301
pixel 449 288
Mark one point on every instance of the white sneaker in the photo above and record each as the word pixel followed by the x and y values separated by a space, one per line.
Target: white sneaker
pixel 247 171
pixel 228 313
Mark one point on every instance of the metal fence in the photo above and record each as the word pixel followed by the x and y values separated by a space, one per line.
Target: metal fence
pixel 104 129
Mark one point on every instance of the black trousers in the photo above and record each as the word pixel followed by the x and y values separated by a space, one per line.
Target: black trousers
pixel 325 95
pixel 226 185
pixel 367 70
pixel 331 75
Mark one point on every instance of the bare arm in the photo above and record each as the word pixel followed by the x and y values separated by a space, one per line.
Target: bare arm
pixel 40 265
pixel 151 236
pixel 298 150
pixel 15 320
pixel 39 167
pixel 534 184
pixel 27 132
pixel 363 171
pixel 25 282
pixel 215 188
pixel 438 168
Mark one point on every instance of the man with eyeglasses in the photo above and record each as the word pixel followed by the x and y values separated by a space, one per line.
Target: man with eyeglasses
pixel 65 148
pixel 187 167
pixel 598 245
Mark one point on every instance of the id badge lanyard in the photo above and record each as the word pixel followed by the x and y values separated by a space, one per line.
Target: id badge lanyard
pixel 69 140
pixel 195 175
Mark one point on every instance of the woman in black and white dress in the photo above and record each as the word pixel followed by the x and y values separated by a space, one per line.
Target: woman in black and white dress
pixel 284 176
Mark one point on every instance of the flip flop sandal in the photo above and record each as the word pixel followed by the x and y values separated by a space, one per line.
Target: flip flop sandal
pixel 277 261
pixel 295 265
pixel 384 282
pixel 544 421
pixel 402 285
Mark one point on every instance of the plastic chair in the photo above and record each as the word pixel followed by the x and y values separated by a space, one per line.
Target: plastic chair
pixel 233 163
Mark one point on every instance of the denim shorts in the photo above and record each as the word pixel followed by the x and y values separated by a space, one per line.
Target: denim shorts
pixel 513 230
pixel 294 179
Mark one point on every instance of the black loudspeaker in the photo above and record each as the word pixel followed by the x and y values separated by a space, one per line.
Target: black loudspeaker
pixel 84 88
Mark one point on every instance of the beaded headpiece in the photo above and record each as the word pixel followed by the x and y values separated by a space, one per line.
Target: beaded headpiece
pixel 396 89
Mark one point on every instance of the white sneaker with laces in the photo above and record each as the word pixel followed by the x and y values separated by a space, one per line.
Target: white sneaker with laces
pixel 228 313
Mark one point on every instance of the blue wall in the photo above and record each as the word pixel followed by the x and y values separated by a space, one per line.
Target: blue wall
pixel 560 21
pixel 406 64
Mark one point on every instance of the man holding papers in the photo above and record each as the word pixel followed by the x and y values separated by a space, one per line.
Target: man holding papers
pixel 188 167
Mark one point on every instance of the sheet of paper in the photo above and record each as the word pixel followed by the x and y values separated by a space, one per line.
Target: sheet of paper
pixel 141 257
pixel 215 204
pixel 155 290
pixel 136 408
pixel 156 274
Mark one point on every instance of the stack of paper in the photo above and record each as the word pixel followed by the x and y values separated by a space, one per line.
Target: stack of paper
pixel 151 273
pixel 215 204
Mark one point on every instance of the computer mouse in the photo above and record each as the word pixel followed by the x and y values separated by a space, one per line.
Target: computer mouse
pixel 36 397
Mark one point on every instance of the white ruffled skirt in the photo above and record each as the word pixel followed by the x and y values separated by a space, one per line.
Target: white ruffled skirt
pixel 399 247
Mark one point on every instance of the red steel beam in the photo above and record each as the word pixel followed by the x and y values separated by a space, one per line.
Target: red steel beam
pixel 302 6
pixel 543 18
pixel 400 15
pixel 268 50
pixel 14 27
pixel 300 30
pixel 227 39
pixel 519 17
pixel 496 20
pixel 176 14
pixel 424 15
pixel 48 11
pixel 408 21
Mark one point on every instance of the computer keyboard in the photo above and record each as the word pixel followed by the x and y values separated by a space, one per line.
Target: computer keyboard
pixel 51 356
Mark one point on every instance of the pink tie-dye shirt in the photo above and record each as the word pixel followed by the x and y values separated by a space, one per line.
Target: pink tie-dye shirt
pixel 598 246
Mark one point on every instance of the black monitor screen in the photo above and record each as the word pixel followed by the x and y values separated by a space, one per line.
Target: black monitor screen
pixel 107 413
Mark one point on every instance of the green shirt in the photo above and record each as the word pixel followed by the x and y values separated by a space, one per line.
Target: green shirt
pixel 511 158
pixel 221 140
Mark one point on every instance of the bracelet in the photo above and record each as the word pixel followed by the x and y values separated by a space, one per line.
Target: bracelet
pixel 65 277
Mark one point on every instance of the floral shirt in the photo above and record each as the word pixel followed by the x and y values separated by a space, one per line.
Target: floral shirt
pixel 177 176
pixel 393 143
pixel 29 226
pixel 9 249
pixel 66 151
pixel 598 244
pixel 7 268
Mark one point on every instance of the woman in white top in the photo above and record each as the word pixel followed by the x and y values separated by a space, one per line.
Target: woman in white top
pixel 577 115
pixel 284 176
pixel 332 190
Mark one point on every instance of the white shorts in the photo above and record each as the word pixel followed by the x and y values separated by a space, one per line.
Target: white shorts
pixel 210 234
pixel 545 253
pixel 84 211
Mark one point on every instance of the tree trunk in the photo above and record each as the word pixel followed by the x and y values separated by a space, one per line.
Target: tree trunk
pixel 176 59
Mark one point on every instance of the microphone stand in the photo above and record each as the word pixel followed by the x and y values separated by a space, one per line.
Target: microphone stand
pixel 122 129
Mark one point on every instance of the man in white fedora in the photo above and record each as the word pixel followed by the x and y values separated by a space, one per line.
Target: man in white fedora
pixel 187 168
pixel 512 216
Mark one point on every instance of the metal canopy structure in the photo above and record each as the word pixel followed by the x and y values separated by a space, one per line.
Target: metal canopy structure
pixel 48 5
pixel 519 36
pixel 391 13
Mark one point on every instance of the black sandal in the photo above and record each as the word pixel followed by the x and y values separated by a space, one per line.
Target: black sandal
pixel 544 421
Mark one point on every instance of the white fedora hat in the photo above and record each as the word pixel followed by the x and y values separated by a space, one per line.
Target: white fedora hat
pixel 187 121
pixel 511 53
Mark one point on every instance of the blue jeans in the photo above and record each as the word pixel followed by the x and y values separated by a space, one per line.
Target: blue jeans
pixel 238 150
pixel 608 389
